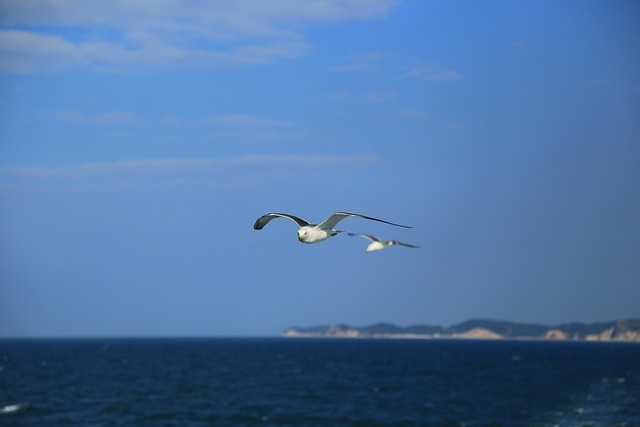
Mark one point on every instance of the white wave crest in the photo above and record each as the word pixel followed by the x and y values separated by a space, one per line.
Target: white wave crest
pixel 12 409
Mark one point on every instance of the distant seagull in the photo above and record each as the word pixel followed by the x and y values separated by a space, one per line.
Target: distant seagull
pixel 314 233
pixel 378 245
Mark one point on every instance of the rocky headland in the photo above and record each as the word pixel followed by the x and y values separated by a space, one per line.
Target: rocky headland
pixel 619 331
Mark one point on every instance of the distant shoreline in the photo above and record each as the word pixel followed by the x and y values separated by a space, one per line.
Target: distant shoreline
pixel 482 329
pixel 454 338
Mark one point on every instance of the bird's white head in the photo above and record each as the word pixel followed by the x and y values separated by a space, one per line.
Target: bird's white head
pixel 302 234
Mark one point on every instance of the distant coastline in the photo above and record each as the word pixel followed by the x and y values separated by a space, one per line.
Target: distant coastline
pixel 615 331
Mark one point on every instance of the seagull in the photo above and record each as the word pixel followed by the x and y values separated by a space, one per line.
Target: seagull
pixel 314 233
pixel 378 245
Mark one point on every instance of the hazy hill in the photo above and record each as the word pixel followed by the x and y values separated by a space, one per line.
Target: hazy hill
pixel 620 330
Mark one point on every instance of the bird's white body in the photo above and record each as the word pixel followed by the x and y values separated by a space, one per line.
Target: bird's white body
pixel 377 244
pixel 312 234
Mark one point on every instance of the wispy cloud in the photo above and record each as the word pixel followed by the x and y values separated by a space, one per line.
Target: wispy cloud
pixel 243 120
pixel 129 118
pixel 431 74
pixel 232 18
pixel 124 173
pixel 258 135
pixel 29 52
pixel 247 128
pixel 106 118
pixel 377 97
pixel 410 114
pixel 122 35
pixel 26 52
pixel 361 63
pixel 226 127
pixel 173 165
pixel 445 76
pixel 366 97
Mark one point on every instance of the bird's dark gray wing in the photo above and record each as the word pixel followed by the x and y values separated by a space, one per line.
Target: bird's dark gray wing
pixel 395 242
pixel 339 216
pixel 264 220
pixel 366 236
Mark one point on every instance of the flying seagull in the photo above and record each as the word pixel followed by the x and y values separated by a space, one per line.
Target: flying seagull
pixel 314 233
pixel 378 245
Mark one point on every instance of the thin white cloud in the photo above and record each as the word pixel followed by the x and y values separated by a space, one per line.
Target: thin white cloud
pixel 30 52
pixel 377 97
pixel 410 114
pixel 362 63
pixel 235 17
pixel 122 35
pixel 413 73
pixel 366 97
pixel 136 175
pixel 257 135
pixel 26 52
pixel 243 120
pixel 180 166
pixel 128 118
pixel 247 128
pixel 102 119
pixel 229 127
pixel 431 74
pixel 444 76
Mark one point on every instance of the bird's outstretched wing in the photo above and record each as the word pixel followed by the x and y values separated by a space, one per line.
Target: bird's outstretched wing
pixel 264 220
pixel 395 242
pixel 339 216
pixel 366 236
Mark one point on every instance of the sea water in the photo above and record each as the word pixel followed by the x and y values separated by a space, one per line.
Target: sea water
pixel 317 382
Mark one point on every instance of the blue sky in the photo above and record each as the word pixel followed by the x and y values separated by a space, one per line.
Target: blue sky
pixel 139 142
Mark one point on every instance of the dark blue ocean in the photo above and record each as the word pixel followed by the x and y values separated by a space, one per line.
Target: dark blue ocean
pixel 317 382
